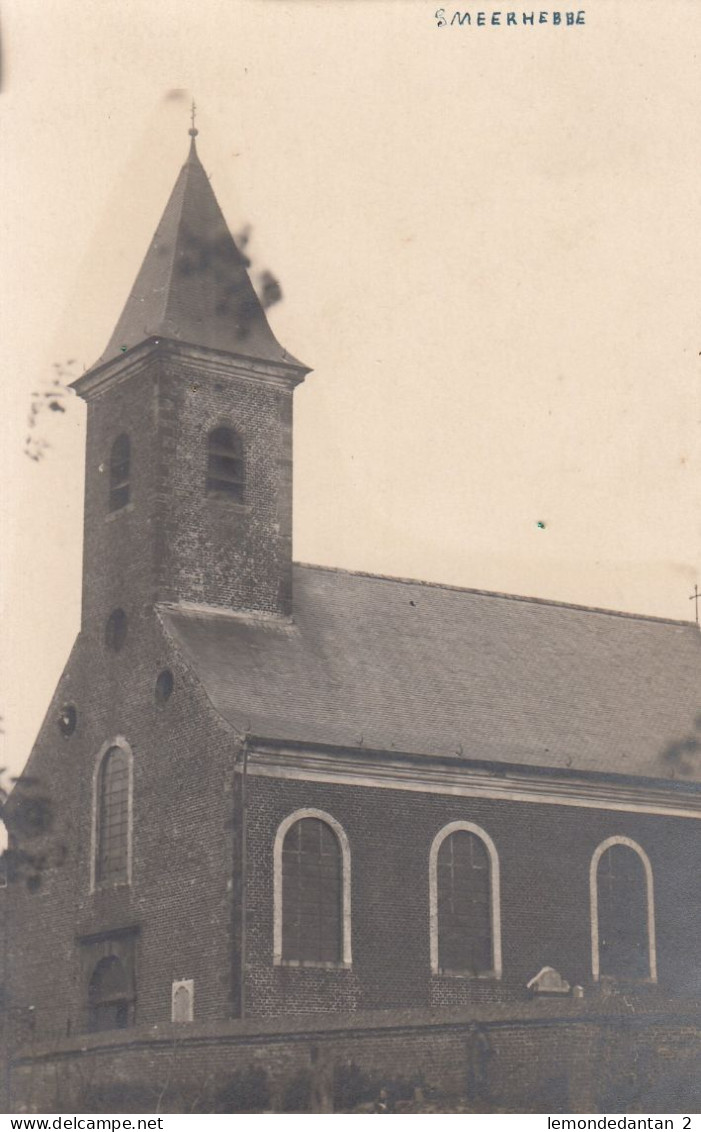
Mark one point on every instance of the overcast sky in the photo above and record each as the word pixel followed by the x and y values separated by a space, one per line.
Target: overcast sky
pixel 488 242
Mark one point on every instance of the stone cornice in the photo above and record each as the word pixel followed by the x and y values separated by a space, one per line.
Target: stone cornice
pixel 268 759
pixel 212 363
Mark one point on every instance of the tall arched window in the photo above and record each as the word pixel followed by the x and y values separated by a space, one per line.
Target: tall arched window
pixel 464 902
pixel 120 471
pixel 113 818
pixel 312 891
pixel 622 911
pixel 225 468
pixel 4 845
pixel 109 996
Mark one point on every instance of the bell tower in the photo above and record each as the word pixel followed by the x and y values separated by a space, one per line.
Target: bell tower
pixel 188 491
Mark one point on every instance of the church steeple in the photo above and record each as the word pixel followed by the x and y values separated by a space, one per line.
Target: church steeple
pixel 193 285
pixel 188 492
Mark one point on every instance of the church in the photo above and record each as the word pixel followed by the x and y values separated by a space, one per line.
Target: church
pixel 291 835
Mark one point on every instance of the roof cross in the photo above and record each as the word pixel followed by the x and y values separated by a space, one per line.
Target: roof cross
pixel 193 131
pixel 696 597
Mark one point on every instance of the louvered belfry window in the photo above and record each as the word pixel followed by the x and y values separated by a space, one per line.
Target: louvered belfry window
pixel 112 858
pixel 312 880
pixel 120 471
pixel 622 899
pixel 225 467
pixel 109 996
pixel 464 905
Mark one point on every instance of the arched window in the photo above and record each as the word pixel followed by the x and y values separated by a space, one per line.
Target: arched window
pixel 120 460
pixel 4 845
pixel 312 891
pixel 225 470
pixel 464 902
pixel 113 818
pixel 622 911
pixel 109 996
pixel 116 628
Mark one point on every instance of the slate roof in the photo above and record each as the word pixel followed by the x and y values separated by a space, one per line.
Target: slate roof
pixel 193 285
pixel 387 664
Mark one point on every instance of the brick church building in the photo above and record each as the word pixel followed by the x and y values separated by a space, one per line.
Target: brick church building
pixel 290 834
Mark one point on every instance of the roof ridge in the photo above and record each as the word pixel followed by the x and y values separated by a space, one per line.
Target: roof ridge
pixel 182 179
pixel 497 594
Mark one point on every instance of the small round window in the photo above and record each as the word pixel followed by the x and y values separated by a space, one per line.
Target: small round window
pixel 67 719
pixel 116 630
pixel 164 686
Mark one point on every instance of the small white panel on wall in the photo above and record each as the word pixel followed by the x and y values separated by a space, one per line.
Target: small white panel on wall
pixel 183 1000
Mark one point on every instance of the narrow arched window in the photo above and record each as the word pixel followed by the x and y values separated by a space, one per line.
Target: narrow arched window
pixel 622 911
pixel 112 818
pixel 225 466
pixel 312 897
pixel 109 996
pixel 120 471
pixel 4 845
pixel 464 928
pixel 464 902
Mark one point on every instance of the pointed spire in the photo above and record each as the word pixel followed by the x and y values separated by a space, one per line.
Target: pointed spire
pixel 193 285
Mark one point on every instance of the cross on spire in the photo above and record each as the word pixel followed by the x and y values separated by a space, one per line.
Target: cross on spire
pixel 193 131
pixel 696 597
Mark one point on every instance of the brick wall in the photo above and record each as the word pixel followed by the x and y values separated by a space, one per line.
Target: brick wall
pixel 4 1013
pixel 216 552
pixel 172 542
pixel 186 898
pixel 545 853
pixel 180 899
pixel 544 1057
pixel 185 901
